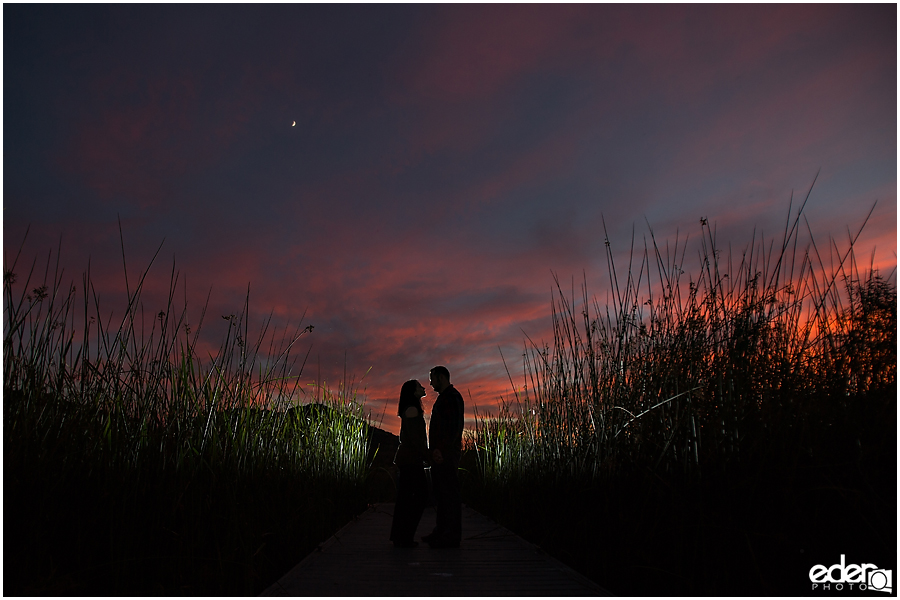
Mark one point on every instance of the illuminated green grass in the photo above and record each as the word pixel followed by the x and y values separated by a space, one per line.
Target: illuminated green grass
pixel 133 465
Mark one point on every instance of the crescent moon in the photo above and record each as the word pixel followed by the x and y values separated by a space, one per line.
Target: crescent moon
pixel 294 123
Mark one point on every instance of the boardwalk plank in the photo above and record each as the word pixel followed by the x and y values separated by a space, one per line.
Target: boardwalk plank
pixel 359 560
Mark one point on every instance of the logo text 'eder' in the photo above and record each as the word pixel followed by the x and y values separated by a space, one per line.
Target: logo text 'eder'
pixel 865 576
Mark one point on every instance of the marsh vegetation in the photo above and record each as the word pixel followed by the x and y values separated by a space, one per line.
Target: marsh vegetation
pixel 720 425
pixel 139 461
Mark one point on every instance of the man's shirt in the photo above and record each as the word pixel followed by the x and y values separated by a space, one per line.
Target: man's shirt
pixel 445 429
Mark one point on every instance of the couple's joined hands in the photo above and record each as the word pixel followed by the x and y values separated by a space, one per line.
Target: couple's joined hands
pixel 437 457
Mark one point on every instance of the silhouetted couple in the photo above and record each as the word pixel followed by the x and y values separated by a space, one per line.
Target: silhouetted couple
pixel 443 454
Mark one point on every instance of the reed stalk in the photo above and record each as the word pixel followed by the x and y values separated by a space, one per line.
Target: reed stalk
pixel 684 373
pixel 101 405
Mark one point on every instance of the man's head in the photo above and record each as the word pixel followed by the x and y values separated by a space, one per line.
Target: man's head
pixel 440 378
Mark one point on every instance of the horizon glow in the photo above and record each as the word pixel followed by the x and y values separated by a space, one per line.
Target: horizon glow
pixel 442 165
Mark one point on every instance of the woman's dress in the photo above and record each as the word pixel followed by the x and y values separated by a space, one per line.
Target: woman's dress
pixel 412 487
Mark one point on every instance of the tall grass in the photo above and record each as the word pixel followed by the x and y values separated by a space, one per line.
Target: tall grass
pixel 718 427
pixel 124 444
pixel 683 372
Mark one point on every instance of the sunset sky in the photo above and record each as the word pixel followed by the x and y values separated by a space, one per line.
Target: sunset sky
pixel 446 161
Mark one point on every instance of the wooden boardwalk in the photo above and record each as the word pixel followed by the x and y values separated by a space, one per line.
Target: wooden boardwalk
pixel 359 560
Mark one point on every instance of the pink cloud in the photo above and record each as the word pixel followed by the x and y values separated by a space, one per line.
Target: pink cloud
pixel 399 295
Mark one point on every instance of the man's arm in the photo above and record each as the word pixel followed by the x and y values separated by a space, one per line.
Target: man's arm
pixel 439 431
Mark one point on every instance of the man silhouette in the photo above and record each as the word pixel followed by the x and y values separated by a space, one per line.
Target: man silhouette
pixel 445 449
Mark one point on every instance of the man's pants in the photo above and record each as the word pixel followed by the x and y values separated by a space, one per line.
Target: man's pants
pixel 445 482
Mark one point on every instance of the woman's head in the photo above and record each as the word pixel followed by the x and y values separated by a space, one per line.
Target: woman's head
pixel 411 395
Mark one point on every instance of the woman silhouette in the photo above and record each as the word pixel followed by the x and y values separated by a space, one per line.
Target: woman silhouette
pixel 412 488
